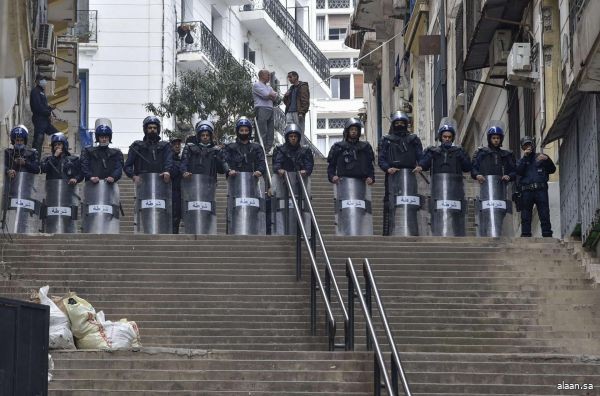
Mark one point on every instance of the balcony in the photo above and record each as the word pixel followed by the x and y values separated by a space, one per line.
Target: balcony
pixel 199 48
pixel 494 15
pixel 279 30
pixel 86 28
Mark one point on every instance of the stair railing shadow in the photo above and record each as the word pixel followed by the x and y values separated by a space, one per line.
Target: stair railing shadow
pixel 379 368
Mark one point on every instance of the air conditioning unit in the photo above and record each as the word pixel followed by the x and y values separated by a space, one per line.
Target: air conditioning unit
pixel 498 53
pixel 45 45
pixel 518 66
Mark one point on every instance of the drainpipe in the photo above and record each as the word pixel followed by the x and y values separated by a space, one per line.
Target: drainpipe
pixel 379 111
pixel 542 74
pixel 443 61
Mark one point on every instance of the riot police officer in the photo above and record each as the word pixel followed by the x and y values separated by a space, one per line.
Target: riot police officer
pixel 102 167
pixel 102 162
pixel 447 163
pixel 151 154
pixel 246 205
pixel 149 163
pixel 20 158
pixel 176 182
pixel 493 168
pixel 21 206
pixel 533 170
pixel 60 207
pixel 350 168
pixel 291 156
pixel 351 157
pixel 200 163
pixel 399 154
pixel 60 164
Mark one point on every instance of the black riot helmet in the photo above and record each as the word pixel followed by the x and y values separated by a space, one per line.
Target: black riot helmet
pixel 350 123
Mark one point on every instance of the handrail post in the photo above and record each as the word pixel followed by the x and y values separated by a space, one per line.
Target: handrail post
pixel 376 376
pixel 394 367
pixel 350 325
pixel 370 311
pixel 298 254
pixel 313 304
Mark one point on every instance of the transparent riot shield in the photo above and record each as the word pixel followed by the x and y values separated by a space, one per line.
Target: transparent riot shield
pixel 153 205
pixel 60 208
pixel 245 205
pixel 282 207
pixel 100 210
pixel 198 208
pixel 404 203
pixel 493 209
pixel 447 205
pixel 353 207
pixel 21 204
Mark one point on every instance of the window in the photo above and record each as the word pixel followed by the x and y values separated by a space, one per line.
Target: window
pixel 321 27
pixel 321 123
pixel 340 87
pixel 337 26
pixel 339 63
pixel 337 33
pixel 336 123
pixel 359 80
pixel 249 53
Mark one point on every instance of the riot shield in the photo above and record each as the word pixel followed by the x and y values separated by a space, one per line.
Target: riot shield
pixel 353 207
pixel 153 205
pixel 21 204
pixel 199 210
pixel 100 208
pixel 59 211
pixel 404 203
pixel 282 207
pixel 492 207
pixel 245 205
pixel 447 205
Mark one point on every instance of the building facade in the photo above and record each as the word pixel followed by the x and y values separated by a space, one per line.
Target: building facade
pixel 138 52
pixel 437 58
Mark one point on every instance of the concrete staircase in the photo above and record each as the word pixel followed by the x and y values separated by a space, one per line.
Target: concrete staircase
pixel 224 315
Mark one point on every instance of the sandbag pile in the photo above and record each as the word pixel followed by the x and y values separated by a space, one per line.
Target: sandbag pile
pixel 75 323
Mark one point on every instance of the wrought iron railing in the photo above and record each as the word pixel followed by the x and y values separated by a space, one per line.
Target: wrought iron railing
pixel 286 22
pixel 320 4
pixel 195 36
pixel 86 28
pixel 339 3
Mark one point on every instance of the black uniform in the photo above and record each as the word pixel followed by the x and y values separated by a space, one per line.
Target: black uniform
pixel 249 157
pixel 102 162
pixel 293 158
pixel 148 157
pixel 351 159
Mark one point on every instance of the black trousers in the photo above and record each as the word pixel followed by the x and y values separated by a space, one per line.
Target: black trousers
pixel 539 198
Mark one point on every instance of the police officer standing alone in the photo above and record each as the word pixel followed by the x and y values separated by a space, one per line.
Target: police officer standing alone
pixel 399 150
pixel 41 113
pixel 534 169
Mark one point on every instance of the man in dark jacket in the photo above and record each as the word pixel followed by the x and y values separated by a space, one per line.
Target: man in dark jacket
pixel 42 113
pixel 296 100
pixel 399 149
pixel 176 182
pixel 150 155
pixel 243 155
pixel 201 155
pixel 351 157
pixel 20 158
pixel 102 162
pixel 60 164
pixel 533 170
pixel 291 156
pixel 493 160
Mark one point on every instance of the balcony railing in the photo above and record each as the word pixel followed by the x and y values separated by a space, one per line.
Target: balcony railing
pixel 195 36
pixel 286 22
pixel 86 28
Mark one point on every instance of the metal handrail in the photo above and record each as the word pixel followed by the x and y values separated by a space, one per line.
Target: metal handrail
pixel 262 144
pixel 329 274
pixel 397 369
pixel 315 277
pixel 379 367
